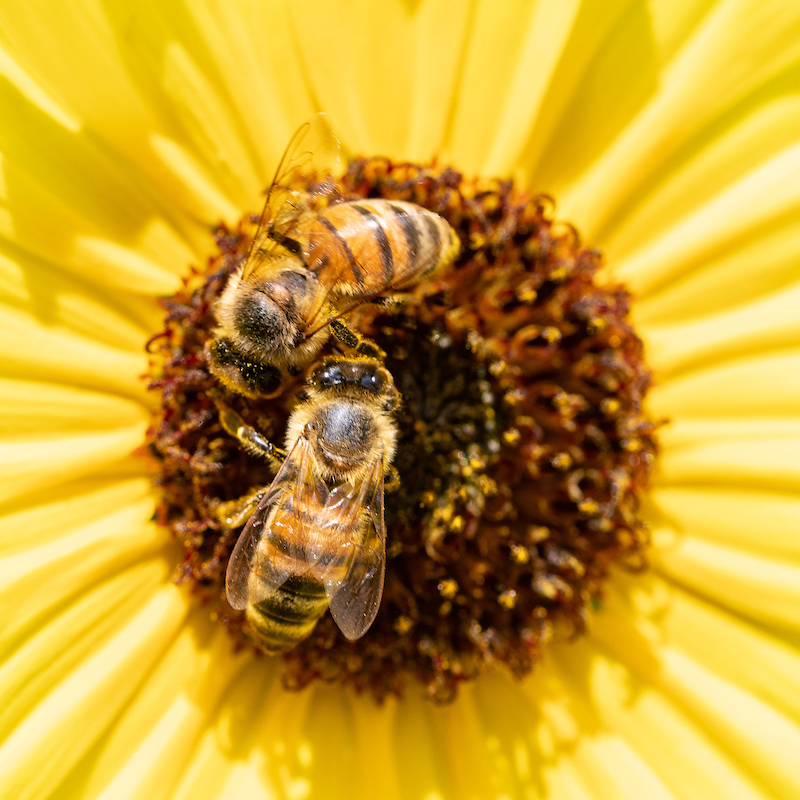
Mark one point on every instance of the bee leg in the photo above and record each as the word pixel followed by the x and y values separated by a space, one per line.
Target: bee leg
pixel 347 336
pixel 235 513
pixel 391 302
pixel 353 341
pixel 368 348
pixel 391 483
pixel 251 440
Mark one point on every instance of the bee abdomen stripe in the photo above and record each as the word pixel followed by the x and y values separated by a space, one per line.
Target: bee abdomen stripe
pixel 387 257
pixel 358 273
pixel 287 550
pixel 409 227
pixel 276 634
pixel 433 231
pixel 291 606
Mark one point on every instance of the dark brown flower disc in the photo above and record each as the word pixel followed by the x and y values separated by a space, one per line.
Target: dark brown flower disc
pixel 523 449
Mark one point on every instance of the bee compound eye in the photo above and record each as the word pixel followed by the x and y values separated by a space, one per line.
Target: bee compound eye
pixel 330 375
pixel 371 382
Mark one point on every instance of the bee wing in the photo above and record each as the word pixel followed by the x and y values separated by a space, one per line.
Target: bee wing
pixel 278 519
pixel 355 599
pixel 314 152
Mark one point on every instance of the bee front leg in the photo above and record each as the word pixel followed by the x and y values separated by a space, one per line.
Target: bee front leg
pixel 345 335
pixel 250 439
pixel 353 341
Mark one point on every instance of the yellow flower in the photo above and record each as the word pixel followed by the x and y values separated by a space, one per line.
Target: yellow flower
pixel 669 132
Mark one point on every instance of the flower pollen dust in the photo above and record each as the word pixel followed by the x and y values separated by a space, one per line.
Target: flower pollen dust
pixel 400 432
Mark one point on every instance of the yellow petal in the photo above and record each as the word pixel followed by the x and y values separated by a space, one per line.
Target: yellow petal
pixel 495 108
pixel 394 91
pixel 70 635
pixel 49 574
pixel 217 766
pixel 767 743
pixel 758 326
pixel 767 383
pixel 760 522
pixel 764 263
pixel 764 589
pixel 732 216
pixel 705 78
pixel 757 462
pixel 146 750
pixel 69 302
pixel 32 351
pixel 52 432
pixel 44 748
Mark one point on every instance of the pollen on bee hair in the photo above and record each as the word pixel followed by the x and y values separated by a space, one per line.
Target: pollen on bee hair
pixel 522 448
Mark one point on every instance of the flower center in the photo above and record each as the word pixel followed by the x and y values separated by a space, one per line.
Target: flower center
pixel 522 447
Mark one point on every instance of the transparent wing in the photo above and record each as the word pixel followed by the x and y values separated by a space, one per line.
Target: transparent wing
pixel 312 155
pixel 355 599
pixel 276 535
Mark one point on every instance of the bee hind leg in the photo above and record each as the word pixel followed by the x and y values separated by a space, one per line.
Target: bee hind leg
pixel 235 513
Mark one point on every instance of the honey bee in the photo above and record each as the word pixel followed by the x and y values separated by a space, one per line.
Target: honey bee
pixel 316 538
pixel 314 258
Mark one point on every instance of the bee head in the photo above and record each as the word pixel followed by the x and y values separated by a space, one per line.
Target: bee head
pixel 261 315
pixel 365 378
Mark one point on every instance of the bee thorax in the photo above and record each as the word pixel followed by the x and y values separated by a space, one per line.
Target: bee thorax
pixel 346 433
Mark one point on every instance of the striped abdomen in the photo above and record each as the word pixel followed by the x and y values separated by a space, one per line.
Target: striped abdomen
pixel 369 247
pixel 285 614
pixel 288 614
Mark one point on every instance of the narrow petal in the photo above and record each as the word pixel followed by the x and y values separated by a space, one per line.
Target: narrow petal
pixel 144 752
pixel 760 265
pixel 49 574
pixel 704 79
pixel 759 522
pixel 53 179
pixel 28 284
pixel 762 325
pixel 683 433
pixel 730 217
pixel 495 108
pixel 267 83
pixel 106 68
pixel 70 635
pixel 51 433
pixel 766 742
pixel 383 97
pixel 218 765
pixel 66 723
pixel 741 144
pixel 766 383
pixel 31 351
pixel 763 589
pixel 771 462
pixel 677 750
